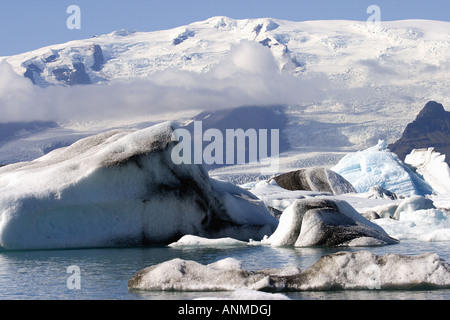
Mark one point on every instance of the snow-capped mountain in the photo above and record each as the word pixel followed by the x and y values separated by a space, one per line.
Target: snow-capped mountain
pixel 431 128
pixel 352 51
pixel 344 85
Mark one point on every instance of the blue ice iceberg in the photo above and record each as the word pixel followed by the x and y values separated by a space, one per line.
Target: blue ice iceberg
pixel 378 166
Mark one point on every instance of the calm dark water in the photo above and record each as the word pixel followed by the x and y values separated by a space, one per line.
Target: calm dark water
pixel 104 273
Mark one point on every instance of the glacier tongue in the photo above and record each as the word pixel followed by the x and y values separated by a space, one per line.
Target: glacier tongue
pixel 121 188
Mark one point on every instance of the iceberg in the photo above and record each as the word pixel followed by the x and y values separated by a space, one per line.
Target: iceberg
pixel 121 188
pixel 193 241
pixel 360 270
pixel 326 222
pixel 412 204
pixel 188 275
pixel 432 166
pixel 365 270
pixel 378 166
pixel 417 221
pixel 315 179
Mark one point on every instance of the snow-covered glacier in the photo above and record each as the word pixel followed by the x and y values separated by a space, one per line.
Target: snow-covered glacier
pixel 121 188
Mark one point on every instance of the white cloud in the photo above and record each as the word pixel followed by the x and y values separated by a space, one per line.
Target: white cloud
pixel 249 75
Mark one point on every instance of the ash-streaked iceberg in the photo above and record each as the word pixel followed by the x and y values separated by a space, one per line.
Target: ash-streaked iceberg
pixel 326 222
pixel 314 179
pixel 121 188
pixel 378 166
pixel 361 270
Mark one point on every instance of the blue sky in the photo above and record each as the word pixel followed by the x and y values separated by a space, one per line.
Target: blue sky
pixel 30 24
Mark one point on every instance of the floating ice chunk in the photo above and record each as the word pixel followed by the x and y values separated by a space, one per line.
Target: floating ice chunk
pixel 413 203
pixel 343 270
pixel 436 235
pixel 191 240
pixel 377 166
pixel 314 179
pixel 186 275
pixel 424 225
pixel 326 222
pixel 432 166
pixel 365 270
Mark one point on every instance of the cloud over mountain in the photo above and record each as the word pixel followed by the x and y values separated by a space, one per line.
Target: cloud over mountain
pixel 248 75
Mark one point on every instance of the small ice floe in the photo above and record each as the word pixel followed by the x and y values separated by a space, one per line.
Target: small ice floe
pixel 192 241
pixel 360 270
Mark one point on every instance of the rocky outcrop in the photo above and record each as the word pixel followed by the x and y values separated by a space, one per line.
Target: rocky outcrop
pixel 315 179
pixel 72 76
pixel 431 128
pixel 99 59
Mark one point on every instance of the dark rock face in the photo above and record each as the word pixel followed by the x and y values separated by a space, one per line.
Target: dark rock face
pixel 32 72
pixel 183 36
pixel 79 76
pixel 315 179
pixel 431 128
pixel 66 74
pixel 74 76
pixel 99 60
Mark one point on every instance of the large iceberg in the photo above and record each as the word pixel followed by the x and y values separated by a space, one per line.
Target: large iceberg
pixel 121 188
pixel 326 222
pixel 432 166
pixel 361 270
pixel 377 166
